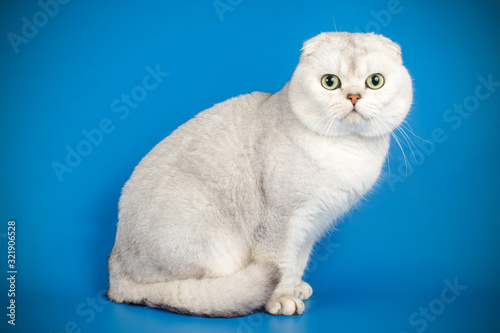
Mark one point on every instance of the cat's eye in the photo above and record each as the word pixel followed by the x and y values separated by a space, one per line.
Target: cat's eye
pixel 375 81
pixel 330 81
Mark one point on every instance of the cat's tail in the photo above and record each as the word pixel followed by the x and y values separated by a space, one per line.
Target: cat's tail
pixel 235 295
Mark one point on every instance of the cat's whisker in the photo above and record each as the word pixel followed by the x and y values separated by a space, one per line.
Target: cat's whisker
pixel 332 122
pixel 386 128
pixel 407 138
pixel 381 136
pixel 381 125
pixel 409 143
pixel 396 138
pixel 388 165
pixel 379 132
pixel 411 131
pixel 402 151
pixel 330 119
pixel 314 128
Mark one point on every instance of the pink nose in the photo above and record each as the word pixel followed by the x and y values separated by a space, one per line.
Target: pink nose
pixel 354 98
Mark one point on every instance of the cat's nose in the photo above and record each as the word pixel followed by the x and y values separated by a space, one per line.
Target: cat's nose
pixel 354 98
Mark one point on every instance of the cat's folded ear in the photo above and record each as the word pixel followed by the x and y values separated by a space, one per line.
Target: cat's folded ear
pixel 311 45
pixel 392 45
pixel 396 47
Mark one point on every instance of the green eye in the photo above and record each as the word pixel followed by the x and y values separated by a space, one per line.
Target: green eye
pixel 375 81
pixel 330 81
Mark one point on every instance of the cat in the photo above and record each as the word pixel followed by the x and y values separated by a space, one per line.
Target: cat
pixel 220 218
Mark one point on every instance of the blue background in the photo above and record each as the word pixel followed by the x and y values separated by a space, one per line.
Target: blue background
pixel 437 219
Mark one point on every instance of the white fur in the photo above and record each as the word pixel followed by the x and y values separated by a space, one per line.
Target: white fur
pixel 220 218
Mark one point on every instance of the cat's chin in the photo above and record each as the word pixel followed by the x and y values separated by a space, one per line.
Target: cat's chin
pixel 357 121
pixel 353 117
pixel 353 123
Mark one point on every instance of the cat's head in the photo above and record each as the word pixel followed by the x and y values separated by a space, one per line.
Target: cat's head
pixel 351 83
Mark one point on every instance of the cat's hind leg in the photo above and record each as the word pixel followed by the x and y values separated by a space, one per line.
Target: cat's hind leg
pixel 234 295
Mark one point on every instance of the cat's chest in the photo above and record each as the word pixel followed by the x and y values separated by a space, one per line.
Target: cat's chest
pixel 316 182
pixel 340 172
pixel 321 175
pixel 347 162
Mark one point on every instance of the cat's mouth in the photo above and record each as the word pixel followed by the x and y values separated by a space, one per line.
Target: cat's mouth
pixel 354 116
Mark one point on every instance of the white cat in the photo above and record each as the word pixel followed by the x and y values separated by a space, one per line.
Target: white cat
pixel 219 219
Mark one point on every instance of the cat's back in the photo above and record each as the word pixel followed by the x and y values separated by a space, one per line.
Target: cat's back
pixel 207 145
pixel 232 120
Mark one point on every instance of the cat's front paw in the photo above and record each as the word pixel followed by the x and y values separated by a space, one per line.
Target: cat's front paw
pixel 302 291
pixel 286 305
